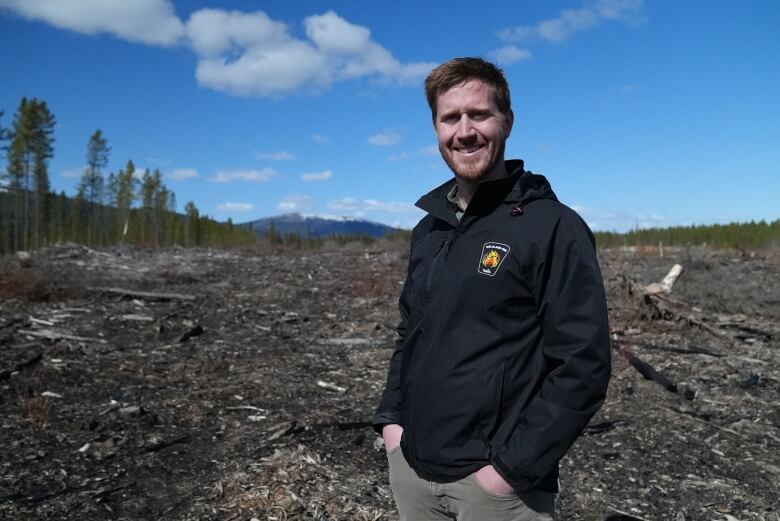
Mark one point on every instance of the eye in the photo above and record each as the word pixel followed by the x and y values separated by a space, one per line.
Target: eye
pixel 480 116
pixel 449 118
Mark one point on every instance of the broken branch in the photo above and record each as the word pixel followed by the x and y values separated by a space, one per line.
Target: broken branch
pixel 148 295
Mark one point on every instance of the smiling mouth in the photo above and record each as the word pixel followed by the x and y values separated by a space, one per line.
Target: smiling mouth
pixel 469 150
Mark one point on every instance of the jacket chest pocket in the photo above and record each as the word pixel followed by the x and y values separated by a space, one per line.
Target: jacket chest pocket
pixel 437 267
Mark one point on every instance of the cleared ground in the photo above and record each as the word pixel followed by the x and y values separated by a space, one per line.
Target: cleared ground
pixel 108 412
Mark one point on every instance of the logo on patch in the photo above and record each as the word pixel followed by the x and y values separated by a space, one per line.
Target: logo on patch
pixel 493 254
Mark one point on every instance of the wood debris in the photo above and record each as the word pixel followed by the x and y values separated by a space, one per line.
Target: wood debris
pixel 263 412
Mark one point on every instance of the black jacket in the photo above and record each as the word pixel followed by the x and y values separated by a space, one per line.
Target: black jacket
pixel 503 351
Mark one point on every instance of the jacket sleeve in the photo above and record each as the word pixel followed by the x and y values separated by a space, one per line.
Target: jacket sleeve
pixel 389 409
pixel 571 308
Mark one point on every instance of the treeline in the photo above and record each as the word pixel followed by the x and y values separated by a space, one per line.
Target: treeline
pixel 295 241
pixel 124 207
pixel 746 236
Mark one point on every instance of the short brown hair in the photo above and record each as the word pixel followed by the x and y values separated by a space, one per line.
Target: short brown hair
pixel 458 71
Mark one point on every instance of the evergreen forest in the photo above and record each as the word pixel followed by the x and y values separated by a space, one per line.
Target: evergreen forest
pixel 132 207
pixel 124 207
pixel 741 236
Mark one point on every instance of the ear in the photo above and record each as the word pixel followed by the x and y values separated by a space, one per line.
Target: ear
pixel 509 120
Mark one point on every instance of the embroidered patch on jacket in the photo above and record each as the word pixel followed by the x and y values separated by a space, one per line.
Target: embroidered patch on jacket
pixel 493 254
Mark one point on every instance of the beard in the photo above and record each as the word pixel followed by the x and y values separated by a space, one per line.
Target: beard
pixel 473 170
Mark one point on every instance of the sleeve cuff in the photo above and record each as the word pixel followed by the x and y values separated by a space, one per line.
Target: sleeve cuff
pixel 519 483
pixel 380 419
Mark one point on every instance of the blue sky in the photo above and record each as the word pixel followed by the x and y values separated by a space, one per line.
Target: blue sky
pixel 640 113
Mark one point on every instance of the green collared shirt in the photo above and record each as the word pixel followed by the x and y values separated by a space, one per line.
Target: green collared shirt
pixel 452 197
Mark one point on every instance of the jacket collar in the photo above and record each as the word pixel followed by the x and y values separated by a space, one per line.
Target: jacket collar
pixel 518 187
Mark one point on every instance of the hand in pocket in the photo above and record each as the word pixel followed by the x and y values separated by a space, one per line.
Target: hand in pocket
pixel 491 481
pixel 391 433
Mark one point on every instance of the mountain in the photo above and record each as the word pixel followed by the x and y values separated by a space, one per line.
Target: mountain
pixel 311 226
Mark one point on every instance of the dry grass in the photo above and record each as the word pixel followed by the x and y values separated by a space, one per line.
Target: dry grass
pixel 382 281
pixel 35 408
pixel 294 484
pixel 23 281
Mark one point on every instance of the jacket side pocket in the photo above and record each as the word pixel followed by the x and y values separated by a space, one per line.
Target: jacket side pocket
pixel 490 410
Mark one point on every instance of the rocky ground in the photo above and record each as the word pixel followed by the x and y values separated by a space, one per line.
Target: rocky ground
pixel 232 385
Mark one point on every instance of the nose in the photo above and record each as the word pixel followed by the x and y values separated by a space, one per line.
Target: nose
pixel 466 128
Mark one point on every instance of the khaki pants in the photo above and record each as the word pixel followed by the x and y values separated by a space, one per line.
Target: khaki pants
pixel 462 500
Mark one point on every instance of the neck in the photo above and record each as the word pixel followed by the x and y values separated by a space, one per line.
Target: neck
pixel 467 189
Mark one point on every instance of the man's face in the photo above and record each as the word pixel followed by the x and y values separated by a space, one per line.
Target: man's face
pixel 472 131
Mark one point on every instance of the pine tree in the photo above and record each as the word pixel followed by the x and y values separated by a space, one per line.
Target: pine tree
pixel 191 224
pixel 149 185
pixel 161 201
pixel 42 149
pixel 92 182
pixel 17 169
pixel 59 217
pixel 28 155
pixel 109 200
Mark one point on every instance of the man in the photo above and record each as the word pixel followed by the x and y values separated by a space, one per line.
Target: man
pixel 503 355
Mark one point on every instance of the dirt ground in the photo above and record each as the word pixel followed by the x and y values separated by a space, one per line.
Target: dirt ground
pixel 241 388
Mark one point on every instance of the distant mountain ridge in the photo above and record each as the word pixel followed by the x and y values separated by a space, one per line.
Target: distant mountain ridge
pixel 313 226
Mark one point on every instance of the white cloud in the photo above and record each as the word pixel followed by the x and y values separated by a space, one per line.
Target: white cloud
pixel 317 176
pixel 74 172
pixel 509 54
pixel 214 32
pixel 362 207
pixel 619 220
pixel 251 54
pixel 384 139
pixel 265 71
pixel 258 176
pixel 319 138
pixel 399 157
pixel 352 53
pixel 275 156
pixel 180 174
pixel 432 151
pixel 571 21
pixel 295 203
pixel 243 53
pixel 152 22
pixel 235 207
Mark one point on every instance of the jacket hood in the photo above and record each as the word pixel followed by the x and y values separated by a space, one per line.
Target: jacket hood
pixel 527 186
pixel 519 187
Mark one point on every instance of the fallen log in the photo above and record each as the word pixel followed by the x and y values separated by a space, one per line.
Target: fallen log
pixel 646 370
pixel 650 372
pixel 682 351
pixel 747 329
pixel 156 447
pixel 148 295
pixel 50 334
pixel 665 286
pixel 657 307
pixel 597 428
pixel 704 422
pixel 331 386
